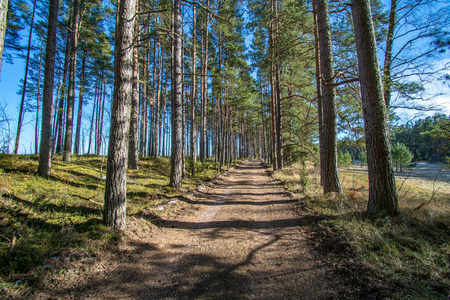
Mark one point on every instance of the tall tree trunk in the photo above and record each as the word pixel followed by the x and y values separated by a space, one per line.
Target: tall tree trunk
pixel 176 171
pixel 94 109
pixel 80 104
pixel 388 54
pixel 319 94
pixel 204 90
pixel 45 151
pixel 24 85
pixel 116 172
pixel 133 159
pixel 38 101
pixel 67 153
pixel 382 189
pixel 143 108
pixel 158 112
pixel 3 18
pixel 272 85
pixel 279 116
pixel 62 95
pixel 183 100
pixel 331 181
pixel 102 114
pixel 154 95
pixel 194 91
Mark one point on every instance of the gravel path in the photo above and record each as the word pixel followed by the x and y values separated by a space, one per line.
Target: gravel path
pixel 239 238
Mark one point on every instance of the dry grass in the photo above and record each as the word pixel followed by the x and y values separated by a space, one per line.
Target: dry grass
pixel 410 253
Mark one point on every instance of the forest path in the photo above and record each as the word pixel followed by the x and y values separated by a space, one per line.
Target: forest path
pixel 240 238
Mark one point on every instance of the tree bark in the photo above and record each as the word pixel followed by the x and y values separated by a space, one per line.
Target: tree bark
pixel 133 159
pixel 24 85
pixel 101 115
pixel 45 151
pixel 204 90
pixel 388 54
pixel 331 181
pixel 154 105
pixel 67 153
pixel 38 100
pixel 382 189
pixel 62 95
pixel 319 94
pixel 279 116
pixel 194 91
pixel 158 108
pixel 176 171
pixel 80 105
pixel 116 173
pixel 94 109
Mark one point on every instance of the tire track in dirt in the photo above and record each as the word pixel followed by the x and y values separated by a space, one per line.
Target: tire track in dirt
pixel 239 239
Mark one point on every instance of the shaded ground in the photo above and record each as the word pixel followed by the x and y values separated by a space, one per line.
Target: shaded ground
pixel 239 238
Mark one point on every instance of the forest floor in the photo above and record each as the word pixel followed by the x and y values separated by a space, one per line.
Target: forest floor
pixel 239 237
pixel 248 233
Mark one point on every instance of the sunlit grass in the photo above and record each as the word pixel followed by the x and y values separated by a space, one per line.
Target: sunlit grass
pixel 410 252
pixel 41 218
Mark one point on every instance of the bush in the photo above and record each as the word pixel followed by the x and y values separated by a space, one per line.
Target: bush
pixel 401 155
pixel 344 159
pixel 362 157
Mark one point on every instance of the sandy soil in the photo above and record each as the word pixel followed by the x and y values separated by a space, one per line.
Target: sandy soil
pixel 238 238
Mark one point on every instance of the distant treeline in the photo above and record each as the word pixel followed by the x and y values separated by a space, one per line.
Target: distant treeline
pixel 427 139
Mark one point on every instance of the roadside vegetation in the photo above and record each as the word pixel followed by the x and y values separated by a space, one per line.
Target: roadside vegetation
pixel 44 223
pixel 401 257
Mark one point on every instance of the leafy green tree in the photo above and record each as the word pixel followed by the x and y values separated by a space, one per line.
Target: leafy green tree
pixel 401 155
pixel 344 159
pixel 362 157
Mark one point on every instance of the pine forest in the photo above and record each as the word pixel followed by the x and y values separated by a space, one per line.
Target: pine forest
pixel 223 149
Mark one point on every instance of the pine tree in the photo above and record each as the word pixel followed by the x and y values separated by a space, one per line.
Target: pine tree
pixel 45 150
pixel 116 174
pixel 176 153
pixel 67 154
pixel 382 189
pixel 330 181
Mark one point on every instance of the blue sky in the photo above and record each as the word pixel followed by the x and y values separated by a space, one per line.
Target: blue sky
pixel 12 74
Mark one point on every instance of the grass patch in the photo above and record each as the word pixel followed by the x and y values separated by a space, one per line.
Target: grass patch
pixel 41 219
pixel 408 254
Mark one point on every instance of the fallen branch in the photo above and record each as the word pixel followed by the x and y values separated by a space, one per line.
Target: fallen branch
pixel 400 188
pixel 87 199
pixel 6 190
pixel 5 238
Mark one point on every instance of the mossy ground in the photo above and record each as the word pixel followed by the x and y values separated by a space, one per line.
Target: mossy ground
pixel 408 255
pixel 42 218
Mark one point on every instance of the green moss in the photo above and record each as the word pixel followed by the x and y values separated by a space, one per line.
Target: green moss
pixel 50 215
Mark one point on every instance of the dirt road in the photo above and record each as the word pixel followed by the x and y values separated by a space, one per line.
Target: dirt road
pixel 238 239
